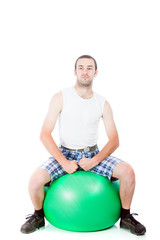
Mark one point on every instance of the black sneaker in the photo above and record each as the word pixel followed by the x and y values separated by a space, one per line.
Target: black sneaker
pixel 34 221
pixel 129 222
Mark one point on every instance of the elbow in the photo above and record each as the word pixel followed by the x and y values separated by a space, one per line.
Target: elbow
pixel 42 136
pixel 45 134
pixel 118 143
pixel 115 142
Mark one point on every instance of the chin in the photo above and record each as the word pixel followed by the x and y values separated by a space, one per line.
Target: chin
pixel 85 84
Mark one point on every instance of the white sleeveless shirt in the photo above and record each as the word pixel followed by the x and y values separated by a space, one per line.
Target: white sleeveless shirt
pixel 79 119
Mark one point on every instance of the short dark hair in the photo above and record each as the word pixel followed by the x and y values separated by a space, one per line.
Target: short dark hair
pixel 86 56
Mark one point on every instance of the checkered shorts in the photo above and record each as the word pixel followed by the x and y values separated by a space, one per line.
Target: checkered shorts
pixel 104 168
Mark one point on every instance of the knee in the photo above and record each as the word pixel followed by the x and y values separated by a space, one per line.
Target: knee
pixel 128 174
pixel 34 185
pixel 36 182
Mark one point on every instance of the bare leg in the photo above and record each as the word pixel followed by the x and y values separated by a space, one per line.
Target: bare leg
pixel 36 187
pixel 125 173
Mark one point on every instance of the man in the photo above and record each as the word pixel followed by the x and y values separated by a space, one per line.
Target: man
pixel 79 110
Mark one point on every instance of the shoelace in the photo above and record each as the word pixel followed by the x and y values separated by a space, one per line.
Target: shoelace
pixel 133 219
pixel 29 216
pixel 134 214
pixel 32 217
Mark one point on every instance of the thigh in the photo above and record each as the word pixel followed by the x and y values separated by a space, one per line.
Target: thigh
pixel 106 167
pixel 53 168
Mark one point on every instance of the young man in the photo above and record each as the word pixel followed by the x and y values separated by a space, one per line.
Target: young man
pixel 79 110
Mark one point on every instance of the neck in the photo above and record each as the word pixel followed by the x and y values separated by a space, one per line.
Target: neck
pixel 84 92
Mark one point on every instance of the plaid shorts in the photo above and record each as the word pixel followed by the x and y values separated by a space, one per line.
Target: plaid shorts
pixel 104 168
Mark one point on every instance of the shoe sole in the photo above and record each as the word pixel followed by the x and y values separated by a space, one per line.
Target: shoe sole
pixel 40 226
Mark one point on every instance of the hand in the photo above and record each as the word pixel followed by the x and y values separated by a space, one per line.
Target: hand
pixel 87 163
pixel 70 166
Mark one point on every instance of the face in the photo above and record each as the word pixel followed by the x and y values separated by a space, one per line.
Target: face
pixel 85 71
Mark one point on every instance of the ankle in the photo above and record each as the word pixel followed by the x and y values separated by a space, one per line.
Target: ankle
pixel 39 212
pixel 124 212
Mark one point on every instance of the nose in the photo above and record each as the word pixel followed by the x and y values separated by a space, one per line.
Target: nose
pixel 85 70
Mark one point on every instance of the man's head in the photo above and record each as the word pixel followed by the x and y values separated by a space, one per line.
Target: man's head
pixel 88 57
pixel 85 70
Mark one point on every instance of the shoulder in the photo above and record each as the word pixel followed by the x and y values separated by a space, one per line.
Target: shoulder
pixel 107 105
pixel 57 101
pixel 56 97
pixel 107 110
pixel 99 97
pixel 59 95
pixel 100 101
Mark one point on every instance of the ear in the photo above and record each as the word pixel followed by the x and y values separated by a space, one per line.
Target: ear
pixel 95 74
pixel 75 73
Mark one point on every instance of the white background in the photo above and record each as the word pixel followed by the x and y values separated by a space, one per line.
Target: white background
pixel 39 44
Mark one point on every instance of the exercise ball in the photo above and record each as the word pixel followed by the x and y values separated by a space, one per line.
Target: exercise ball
pixel 82 201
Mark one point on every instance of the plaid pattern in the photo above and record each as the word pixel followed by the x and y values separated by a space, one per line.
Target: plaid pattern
pixel 104 168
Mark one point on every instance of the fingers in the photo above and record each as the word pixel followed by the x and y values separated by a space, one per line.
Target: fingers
pixel 82 166
pixel 73 167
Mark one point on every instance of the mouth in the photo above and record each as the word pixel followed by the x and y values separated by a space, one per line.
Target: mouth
pixel 85 76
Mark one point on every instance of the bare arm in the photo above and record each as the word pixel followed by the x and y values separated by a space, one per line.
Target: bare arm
pixel 55 109
pixel 113 142
pixel 111 145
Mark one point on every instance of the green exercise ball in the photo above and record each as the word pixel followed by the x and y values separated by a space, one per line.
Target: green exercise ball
pixel 82 201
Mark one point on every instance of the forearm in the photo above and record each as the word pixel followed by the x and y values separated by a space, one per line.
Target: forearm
pixel 107 150
pixel 52 147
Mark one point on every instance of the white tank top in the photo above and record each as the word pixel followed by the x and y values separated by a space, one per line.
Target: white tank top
pixel 79 119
